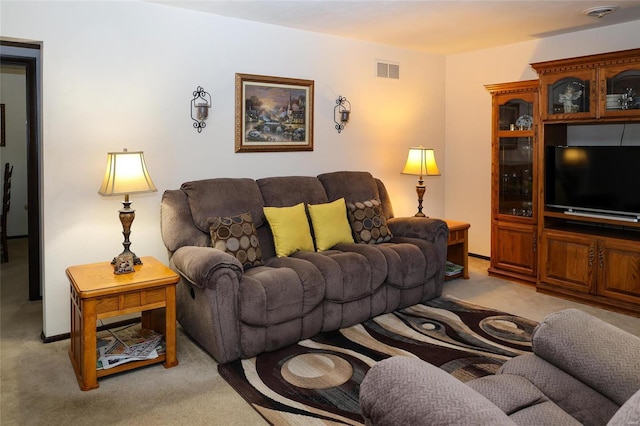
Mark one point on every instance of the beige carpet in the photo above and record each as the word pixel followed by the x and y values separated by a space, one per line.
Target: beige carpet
pixel 38 386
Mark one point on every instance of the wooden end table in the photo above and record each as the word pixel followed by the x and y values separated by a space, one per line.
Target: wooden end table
pixel 458 246
pixel 98 293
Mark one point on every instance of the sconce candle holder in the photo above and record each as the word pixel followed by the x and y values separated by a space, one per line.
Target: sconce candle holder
pixel 200 105
pixel 341 113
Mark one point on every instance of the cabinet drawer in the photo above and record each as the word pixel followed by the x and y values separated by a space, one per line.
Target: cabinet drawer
pixel 132 301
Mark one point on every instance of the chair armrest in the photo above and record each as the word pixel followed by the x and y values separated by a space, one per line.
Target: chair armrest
pixel 591 350
pixel 200 265
pixel 408 391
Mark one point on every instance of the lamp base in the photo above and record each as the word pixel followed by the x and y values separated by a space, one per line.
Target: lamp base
pixel 126 214
pixel 136 259
pixel 420 189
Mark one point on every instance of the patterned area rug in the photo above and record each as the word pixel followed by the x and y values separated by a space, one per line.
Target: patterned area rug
pixel 317 380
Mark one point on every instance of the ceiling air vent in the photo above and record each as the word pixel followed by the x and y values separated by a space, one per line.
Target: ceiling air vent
pixel 599 11
pixel 388 70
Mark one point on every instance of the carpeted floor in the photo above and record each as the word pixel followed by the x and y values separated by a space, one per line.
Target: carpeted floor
pixel 38 386
pixel 318 379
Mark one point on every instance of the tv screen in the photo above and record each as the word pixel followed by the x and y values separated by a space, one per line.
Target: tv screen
pixel 601 179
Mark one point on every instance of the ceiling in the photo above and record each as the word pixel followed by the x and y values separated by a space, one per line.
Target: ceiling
pixel 432 26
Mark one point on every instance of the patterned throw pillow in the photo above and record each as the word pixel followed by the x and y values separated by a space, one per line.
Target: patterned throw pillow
pixel 368 223
pixel 237 236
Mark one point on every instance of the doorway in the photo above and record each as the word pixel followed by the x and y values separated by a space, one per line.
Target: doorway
pixel 26 57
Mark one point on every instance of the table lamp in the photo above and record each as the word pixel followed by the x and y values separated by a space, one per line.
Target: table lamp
pixel 126 174
pixel 421 162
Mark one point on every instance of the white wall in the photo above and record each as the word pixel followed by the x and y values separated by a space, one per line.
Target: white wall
pixel 468 113
pixel 121 74
pixel 13 87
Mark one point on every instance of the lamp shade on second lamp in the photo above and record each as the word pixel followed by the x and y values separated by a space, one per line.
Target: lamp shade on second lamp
pixel 421 162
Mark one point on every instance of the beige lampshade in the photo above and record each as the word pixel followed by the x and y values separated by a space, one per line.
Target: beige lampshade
pixel 126 174
pixel 421 162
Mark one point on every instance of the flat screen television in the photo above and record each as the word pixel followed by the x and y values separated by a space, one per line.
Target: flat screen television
pixel 594 180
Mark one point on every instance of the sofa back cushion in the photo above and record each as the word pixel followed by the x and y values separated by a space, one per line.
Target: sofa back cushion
pixel 228 197
pixel 352 186
pixel 287 191
pixel 223 197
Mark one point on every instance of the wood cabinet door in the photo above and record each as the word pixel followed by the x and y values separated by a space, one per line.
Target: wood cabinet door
pixel 514 248
pixel 619 270
pixel 568 260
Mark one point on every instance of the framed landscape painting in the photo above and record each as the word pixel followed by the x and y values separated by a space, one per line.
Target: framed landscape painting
pixel 273 114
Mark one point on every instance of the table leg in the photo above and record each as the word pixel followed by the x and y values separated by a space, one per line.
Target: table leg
pixel 88 374
pixel 171 359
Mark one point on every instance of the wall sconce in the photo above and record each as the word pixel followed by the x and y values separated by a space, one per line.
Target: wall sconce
pixel 200 105
pixel 421 162
pixel 341 112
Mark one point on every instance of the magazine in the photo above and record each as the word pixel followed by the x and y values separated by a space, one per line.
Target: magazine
pixel 452 269
pixel 126 344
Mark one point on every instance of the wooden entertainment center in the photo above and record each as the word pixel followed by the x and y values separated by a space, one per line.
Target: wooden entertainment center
pixel 593 258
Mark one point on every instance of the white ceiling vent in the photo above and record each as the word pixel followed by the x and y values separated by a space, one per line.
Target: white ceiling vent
pixel 386 69
pixel 599 11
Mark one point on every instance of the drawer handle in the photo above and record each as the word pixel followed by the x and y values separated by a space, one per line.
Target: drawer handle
pixel 591 257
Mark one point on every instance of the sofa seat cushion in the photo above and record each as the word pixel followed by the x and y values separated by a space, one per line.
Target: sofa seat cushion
pixel 283 290
pixel 521 400
pixel 348 275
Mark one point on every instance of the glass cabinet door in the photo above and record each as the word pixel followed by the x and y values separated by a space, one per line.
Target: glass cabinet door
pixel 516 176
pixel 514 156
pixel 569 95
pixel 622 91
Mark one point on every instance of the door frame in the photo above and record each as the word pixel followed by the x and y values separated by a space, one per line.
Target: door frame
pixel 34 160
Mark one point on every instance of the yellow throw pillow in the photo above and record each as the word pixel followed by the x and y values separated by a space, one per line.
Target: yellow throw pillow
pixel 330 224
pixel 290 229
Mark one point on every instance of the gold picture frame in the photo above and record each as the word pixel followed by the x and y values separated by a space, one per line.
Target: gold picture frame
pixel 273 114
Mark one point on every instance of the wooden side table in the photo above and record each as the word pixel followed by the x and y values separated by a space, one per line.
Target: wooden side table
pixel 458 246
pixel 97 293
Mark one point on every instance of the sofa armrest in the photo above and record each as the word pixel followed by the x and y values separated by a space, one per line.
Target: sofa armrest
pixel 408 391
pixel 198 265
pixel 591 350
pixel 419 227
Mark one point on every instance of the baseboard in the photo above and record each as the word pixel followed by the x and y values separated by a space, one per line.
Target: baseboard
pixel 479 256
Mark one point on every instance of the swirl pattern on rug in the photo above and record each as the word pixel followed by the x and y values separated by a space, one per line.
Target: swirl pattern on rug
pixel 317 381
